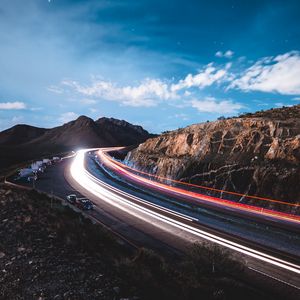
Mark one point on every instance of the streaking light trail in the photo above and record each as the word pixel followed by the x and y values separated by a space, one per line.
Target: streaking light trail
pixel 159 216
pixel 121 169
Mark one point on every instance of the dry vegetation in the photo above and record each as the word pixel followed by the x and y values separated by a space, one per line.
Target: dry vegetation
pixel 48 251
pixel 282 113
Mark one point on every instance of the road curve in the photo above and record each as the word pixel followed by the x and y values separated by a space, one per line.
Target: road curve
pixel 163 217
pixel 288 219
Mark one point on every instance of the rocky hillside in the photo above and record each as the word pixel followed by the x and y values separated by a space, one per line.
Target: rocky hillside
pixel 258 154
pixel 23 142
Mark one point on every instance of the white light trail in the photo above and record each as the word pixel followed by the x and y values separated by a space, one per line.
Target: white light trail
pixel 120 199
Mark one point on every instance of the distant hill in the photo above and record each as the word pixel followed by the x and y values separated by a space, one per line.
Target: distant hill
pixel 24 142
pixel 20 134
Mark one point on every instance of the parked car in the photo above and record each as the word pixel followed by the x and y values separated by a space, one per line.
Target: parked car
pixel 81 203
pixel 85 204
pixel 72 198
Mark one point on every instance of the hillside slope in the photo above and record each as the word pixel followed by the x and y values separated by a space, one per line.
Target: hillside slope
pixel 49 251
pixel 258 154
pixel 23 142
pixel 20 134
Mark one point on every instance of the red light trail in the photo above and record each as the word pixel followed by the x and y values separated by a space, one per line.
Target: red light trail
pixel 159 216
pixel 127 171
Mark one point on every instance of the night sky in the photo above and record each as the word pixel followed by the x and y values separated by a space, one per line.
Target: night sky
pixel 160 64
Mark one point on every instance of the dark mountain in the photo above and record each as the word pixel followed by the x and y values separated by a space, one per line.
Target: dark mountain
pixel 256 154
pixel 125 131
pixel 24 142
pixel 20 134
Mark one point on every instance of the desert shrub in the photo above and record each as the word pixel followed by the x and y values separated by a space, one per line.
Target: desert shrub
pixel 149 276
pixel 210 260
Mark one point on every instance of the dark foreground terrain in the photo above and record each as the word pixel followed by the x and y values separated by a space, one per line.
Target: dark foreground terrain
pixel 49 251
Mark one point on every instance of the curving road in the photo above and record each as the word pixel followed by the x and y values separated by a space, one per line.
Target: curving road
pixel 176 228
pixel 271 215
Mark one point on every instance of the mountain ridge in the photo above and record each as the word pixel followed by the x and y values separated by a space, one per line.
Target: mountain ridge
pixel 24 142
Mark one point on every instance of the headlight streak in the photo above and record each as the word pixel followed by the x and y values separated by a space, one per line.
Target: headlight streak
pixel 119 199
pixel 120 168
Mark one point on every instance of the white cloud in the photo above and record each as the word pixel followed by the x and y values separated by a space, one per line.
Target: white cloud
pixel 280 104
pixel 146 94
pixel 88 101
pixel 36 108
pixel 208 76
pixel 68 116
pixel 181 116
pixel 12 105
pixel 296 99
pixel 9 122
pixel 212 105
pixel 93 110
pixel 55 89
pixel 16 120
pixel 279 74
pixel 219 54
pixel 226 54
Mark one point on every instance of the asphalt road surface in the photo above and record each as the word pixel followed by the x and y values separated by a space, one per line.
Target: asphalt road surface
pixel 117 208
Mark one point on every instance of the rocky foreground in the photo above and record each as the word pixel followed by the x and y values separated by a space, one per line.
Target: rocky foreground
pixel 256 154
pixel 48 251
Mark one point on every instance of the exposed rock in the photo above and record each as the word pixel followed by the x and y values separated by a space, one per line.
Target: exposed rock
pixel 254 154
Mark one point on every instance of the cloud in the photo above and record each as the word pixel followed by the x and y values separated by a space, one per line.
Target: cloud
pixel 212 105
pixel 9 122
pixel 181 116
pixel 36 108
pixel 208 76
pixel 280 74
pixel 147 93
pixel 88 101
pixel 296 99
pixel 226 54
pixel 280 104
pixel 12 105
pixel 93 110
pixel 55 89
pixel 16 120
pixel 68 116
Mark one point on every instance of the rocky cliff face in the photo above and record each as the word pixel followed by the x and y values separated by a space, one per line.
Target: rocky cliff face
pixel 257 154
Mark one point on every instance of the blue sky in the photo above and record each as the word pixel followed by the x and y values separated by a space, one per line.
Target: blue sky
pixel 161 64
